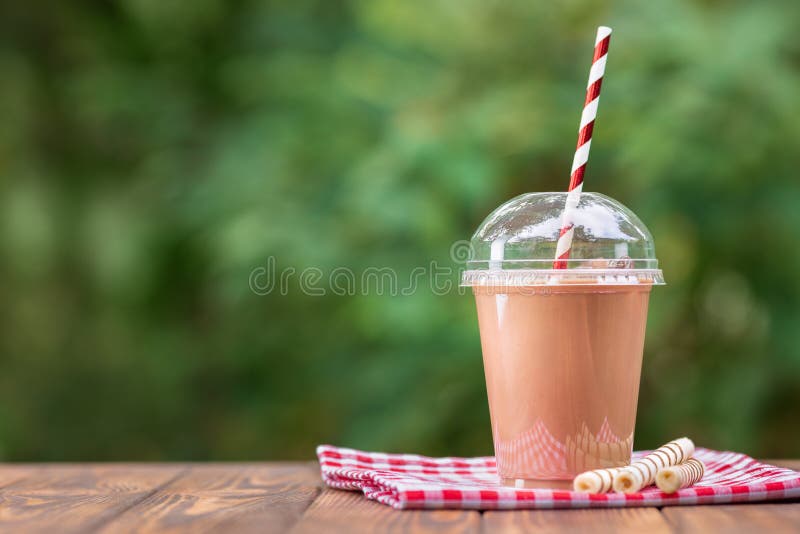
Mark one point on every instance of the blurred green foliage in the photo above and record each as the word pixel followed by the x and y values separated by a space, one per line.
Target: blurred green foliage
pixel 154 152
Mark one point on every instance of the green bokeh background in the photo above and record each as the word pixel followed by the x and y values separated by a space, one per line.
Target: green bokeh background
pixel 153 153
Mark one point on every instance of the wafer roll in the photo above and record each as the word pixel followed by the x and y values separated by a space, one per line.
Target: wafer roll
pixel 671 479
pixel 597 481
pixel 642 472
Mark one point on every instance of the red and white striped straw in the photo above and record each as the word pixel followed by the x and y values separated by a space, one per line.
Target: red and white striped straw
pixel 564 244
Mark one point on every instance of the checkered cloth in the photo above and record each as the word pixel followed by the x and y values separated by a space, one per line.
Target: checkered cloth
pixel 406 481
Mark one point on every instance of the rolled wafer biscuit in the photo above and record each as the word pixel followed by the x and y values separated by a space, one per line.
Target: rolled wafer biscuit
pixel 597 481
pixel 671 479
pixel 642 472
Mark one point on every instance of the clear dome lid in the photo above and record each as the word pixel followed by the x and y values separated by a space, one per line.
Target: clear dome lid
pixel 516 244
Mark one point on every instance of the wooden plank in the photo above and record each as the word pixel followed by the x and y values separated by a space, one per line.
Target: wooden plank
pixel 791 464
pixel 267 497
pixel 273 497
pixel 734 518
pixel 596 520
pixel 75 498
pixel 347 512
pixel 12 473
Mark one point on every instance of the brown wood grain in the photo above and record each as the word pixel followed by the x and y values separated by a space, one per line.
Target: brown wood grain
pixel 74 498
pixel 350 512
pixel 226 497
pixel 11 474
pixel 735 518
pixel 274 497
pixel 791 464
pixel 598 520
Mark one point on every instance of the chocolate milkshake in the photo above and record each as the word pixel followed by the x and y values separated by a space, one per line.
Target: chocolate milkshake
pixel 562 349
pixel 562 372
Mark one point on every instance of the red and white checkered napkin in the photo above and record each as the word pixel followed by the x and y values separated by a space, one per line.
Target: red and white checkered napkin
pixel 409 481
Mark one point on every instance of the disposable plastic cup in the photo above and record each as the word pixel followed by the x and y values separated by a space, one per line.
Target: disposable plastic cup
pixel 562 348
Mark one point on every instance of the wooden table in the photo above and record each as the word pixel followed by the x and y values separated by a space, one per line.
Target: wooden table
pixel 277 497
